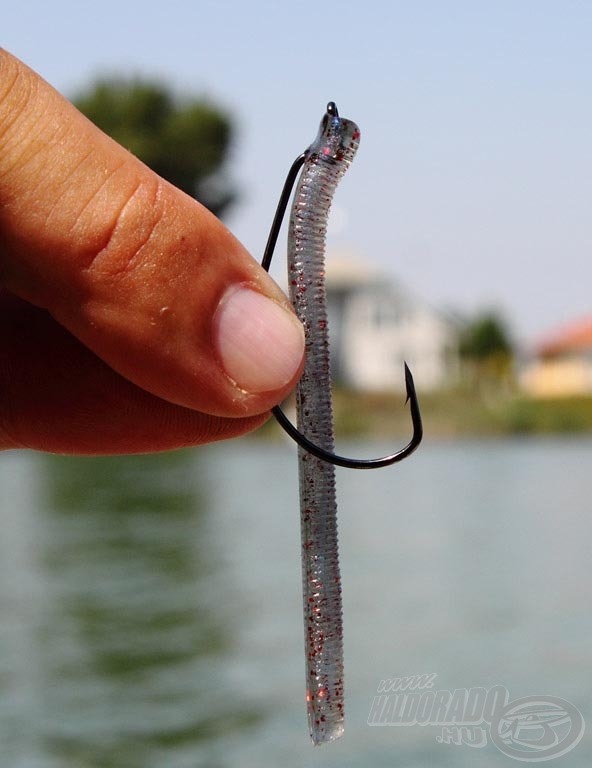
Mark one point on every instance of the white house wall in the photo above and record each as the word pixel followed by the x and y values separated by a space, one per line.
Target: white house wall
pixel 381 330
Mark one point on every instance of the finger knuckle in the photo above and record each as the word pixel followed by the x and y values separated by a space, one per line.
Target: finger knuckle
pixel 128 238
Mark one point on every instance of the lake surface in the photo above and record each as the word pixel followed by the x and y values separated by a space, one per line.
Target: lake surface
pixel 151 609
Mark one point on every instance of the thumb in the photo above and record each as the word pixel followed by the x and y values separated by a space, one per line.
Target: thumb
pixel 138 271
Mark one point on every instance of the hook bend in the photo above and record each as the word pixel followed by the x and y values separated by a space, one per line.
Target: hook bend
pixel 343 461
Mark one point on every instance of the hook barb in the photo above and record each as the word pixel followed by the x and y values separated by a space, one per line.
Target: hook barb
pixel 282 419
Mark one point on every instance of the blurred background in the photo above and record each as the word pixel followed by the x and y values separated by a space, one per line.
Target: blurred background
pixel 150 606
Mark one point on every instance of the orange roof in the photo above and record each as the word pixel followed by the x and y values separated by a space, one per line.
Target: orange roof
pixel 575 337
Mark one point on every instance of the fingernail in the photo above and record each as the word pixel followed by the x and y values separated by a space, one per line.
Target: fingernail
pixel 260 343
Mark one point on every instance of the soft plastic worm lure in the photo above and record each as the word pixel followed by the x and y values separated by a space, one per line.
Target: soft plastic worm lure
pixel 324 163
pixel 328 159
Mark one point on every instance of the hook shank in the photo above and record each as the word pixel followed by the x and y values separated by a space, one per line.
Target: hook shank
pixel 276 224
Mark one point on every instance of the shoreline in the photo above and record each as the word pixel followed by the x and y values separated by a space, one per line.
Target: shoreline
pixel 454 414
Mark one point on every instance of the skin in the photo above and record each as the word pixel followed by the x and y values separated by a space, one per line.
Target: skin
pixel 111 281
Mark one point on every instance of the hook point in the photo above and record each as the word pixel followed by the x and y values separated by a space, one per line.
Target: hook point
pixel 409 383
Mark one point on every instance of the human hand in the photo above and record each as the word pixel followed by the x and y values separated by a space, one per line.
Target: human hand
pixel 131 320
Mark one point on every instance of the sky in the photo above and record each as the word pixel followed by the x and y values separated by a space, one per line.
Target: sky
pixel 473 182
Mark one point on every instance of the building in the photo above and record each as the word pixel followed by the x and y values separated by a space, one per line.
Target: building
pixel 561 363
pixel 375 326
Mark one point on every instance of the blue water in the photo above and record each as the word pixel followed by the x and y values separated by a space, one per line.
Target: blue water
pixel 150 606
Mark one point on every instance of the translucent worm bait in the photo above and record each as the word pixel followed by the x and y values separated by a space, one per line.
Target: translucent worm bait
pixel 323 164
pixel 326 160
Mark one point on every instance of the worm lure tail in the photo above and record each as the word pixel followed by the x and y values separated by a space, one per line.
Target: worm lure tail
pixel 323 164
pixel 326 161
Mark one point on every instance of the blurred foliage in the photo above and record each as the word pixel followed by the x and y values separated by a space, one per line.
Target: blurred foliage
pixel 484 337
pixel 184 141
pixel 548 416
pixel 486 351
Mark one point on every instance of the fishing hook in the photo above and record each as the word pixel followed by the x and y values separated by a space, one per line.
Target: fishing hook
pixel 280 416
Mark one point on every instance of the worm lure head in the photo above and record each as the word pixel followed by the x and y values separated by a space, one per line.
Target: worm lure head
pixel 338 138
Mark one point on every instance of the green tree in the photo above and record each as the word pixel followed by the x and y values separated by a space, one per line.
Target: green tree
pixel 184 141
pixel 486 348
pixel 484 337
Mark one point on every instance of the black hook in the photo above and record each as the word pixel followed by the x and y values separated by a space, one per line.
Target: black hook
pixel 281 417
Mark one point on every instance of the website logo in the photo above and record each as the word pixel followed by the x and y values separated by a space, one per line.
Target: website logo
pixel 531 728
